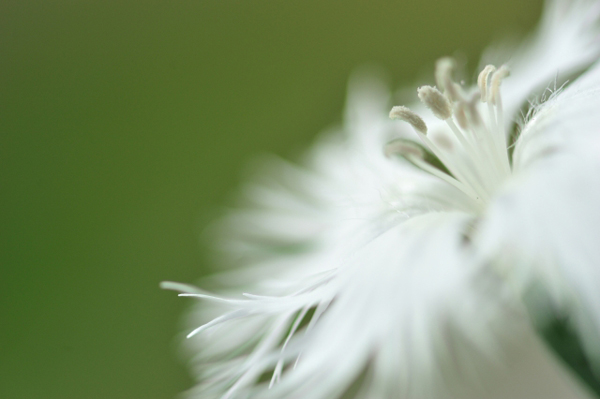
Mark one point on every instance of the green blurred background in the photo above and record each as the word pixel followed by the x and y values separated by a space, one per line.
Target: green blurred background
pixel 126 124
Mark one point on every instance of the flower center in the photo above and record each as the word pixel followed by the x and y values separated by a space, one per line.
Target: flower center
pixel 474 150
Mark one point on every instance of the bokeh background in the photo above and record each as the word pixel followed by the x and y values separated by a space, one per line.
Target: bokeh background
pixel 125 126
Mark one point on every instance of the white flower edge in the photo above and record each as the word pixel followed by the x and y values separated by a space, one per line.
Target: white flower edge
pixel 353 163
pixel 545 227
pixel 565 42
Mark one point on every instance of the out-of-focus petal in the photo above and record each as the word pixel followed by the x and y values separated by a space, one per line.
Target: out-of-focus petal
pixel 346 190
pixel 566 41
pixel 566 122
pixel 414 319
pixel 545 229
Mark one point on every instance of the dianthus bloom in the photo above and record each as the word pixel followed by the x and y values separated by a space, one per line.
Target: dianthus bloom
pixel 397 261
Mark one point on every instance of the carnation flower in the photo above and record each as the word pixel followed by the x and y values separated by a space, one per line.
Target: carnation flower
pixel 406 260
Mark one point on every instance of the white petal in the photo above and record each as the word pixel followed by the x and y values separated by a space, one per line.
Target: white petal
pixel 566 41
pixel 416 321
pixel 546 229
pixel 565 122
pixel 297 217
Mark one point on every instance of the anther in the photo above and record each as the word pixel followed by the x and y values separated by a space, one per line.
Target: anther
pixel 404 114
pixel 404 148
pixel 460 115
pixel 435 101
pixel 442 141
pixel 497 77
pixel 474 116
pixel 444 68
pixel 482 81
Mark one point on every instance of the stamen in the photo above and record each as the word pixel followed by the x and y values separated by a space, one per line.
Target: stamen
pixel 435 101
pixel 443 70
pixel 496 99
pixel 473 112
pixel 460 115
pixel 404 114
pixel 482 81
pixel 468 146
pixel 443 77
pixel 473 178
pixel 442 141
pixel 497 77
pixel 404 148
pixel 488 142
pixel 445 177
pixel 477 161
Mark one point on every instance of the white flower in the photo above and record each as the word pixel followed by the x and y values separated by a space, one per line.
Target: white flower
pixel 395 263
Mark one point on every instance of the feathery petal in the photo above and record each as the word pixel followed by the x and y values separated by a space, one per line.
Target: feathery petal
pixel 565 122
pixel 566 41
pixel 546 228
